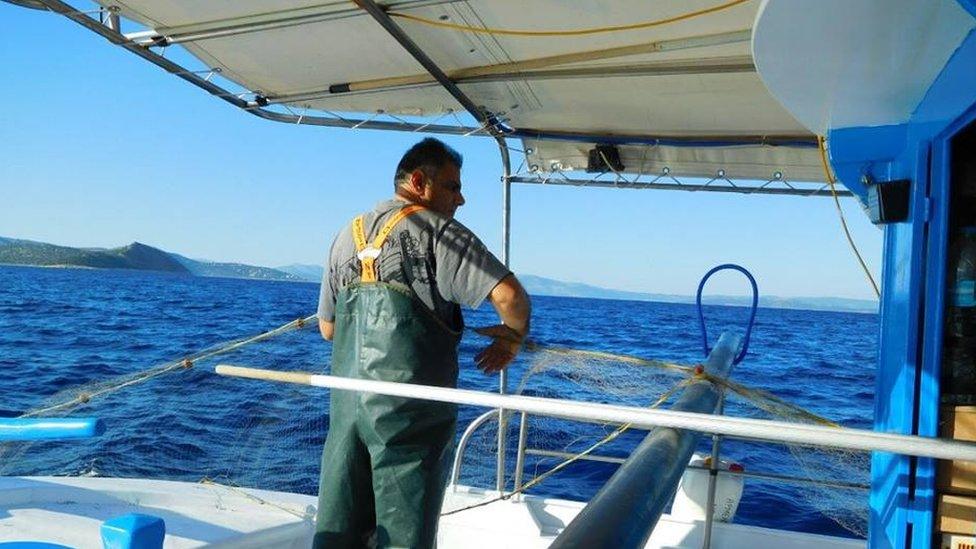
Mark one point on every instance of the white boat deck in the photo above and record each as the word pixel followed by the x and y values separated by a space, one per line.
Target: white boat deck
pixel 70 510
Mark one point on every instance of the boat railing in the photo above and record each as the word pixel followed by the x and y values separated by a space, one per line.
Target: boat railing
pixel 639 418
pixel 713 468
pixel 626 510
pixel 524 450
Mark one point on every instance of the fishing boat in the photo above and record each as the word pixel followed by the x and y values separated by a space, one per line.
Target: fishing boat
pixel 870 99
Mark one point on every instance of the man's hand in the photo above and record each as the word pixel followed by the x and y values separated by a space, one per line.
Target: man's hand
pixel 501 351
pixel 512 305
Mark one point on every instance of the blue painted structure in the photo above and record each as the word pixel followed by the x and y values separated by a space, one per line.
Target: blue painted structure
pixel 49 428
pixel 912 303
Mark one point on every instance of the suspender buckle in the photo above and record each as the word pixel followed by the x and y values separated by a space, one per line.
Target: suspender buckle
pixel 368 253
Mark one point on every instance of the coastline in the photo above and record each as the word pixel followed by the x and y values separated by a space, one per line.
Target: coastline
pixel 678 300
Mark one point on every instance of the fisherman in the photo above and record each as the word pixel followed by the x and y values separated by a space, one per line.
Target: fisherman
pixel 390 303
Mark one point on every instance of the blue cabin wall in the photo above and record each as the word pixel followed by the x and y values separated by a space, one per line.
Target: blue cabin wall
pixel 902 502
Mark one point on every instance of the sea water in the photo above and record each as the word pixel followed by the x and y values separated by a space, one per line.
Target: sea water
pixel 60 328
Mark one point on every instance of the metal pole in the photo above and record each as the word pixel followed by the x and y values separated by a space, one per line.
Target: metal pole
pixel 463 444
pixel 503 376
pixel 380 15
pixel 530 67
pixel 625 511
pixel 712 480
pixel 263 22
pixel 641 418
pixel 506 201
pixel 520 457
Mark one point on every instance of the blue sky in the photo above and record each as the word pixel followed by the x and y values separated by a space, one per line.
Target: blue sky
pixel 101 149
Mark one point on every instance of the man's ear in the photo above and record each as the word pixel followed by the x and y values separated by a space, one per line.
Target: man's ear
pixel 418 181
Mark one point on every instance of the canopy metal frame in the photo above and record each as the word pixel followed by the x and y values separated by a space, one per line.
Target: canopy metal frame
pixel 664 180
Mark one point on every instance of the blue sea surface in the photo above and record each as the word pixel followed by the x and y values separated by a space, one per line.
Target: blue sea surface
pixel 61 329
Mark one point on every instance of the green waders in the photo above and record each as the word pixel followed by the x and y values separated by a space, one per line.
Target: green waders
pixel 384 467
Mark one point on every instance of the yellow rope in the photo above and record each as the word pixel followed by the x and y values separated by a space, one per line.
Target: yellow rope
pixel 579 32
pixel 758 398
pixel 843 222
pixel 211 482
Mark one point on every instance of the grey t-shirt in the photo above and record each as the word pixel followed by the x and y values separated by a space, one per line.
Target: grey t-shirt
pixel 438 258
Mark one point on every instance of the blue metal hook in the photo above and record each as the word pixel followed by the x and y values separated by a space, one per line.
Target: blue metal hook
pixel 752 316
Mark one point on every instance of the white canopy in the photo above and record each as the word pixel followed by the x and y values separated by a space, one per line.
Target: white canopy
pixel 681 97
pixel 671 84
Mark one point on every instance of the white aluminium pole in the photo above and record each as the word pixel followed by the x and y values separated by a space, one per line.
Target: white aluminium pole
pixel 642 418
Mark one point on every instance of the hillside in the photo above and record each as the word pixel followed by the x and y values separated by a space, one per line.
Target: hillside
pixel 135 256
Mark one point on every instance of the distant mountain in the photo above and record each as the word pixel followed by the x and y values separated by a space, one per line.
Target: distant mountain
pixel 537 285
pixel 200 267
pixel 134 256
pixel 311 273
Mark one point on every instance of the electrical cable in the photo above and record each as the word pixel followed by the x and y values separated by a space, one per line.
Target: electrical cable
pixel 831 180
pixel 578 32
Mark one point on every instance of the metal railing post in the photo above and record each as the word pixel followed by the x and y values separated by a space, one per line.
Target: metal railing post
pixel 503 376
pixel 520 457
pixel 713 480
pixel 463 444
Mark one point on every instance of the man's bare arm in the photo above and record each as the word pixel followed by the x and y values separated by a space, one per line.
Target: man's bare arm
pixel 512 304
pixel 326 328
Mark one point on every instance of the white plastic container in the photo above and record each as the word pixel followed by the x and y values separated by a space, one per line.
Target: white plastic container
pixel 692 496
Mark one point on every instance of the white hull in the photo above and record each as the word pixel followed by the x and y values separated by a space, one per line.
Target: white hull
pixel 70 510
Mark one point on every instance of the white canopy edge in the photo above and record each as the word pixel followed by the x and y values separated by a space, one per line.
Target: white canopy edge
pixel 870 67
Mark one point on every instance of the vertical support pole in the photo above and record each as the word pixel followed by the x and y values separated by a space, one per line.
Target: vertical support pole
pixel 713 479
pixel 506 204
pixel 503 376
pixel 520 457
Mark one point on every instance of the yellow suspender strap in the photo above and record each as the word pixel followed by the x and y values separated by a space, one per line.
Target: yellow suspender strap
pixel 367 254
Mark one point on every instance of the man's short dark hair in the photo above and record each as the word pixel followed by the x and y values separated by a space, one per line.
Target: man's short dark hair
pixel 429 156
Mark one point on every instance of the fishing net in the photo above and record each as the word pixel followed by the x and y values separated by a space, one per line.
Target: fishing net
pixel 180 421
pixel 572 460
pixel 243 433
